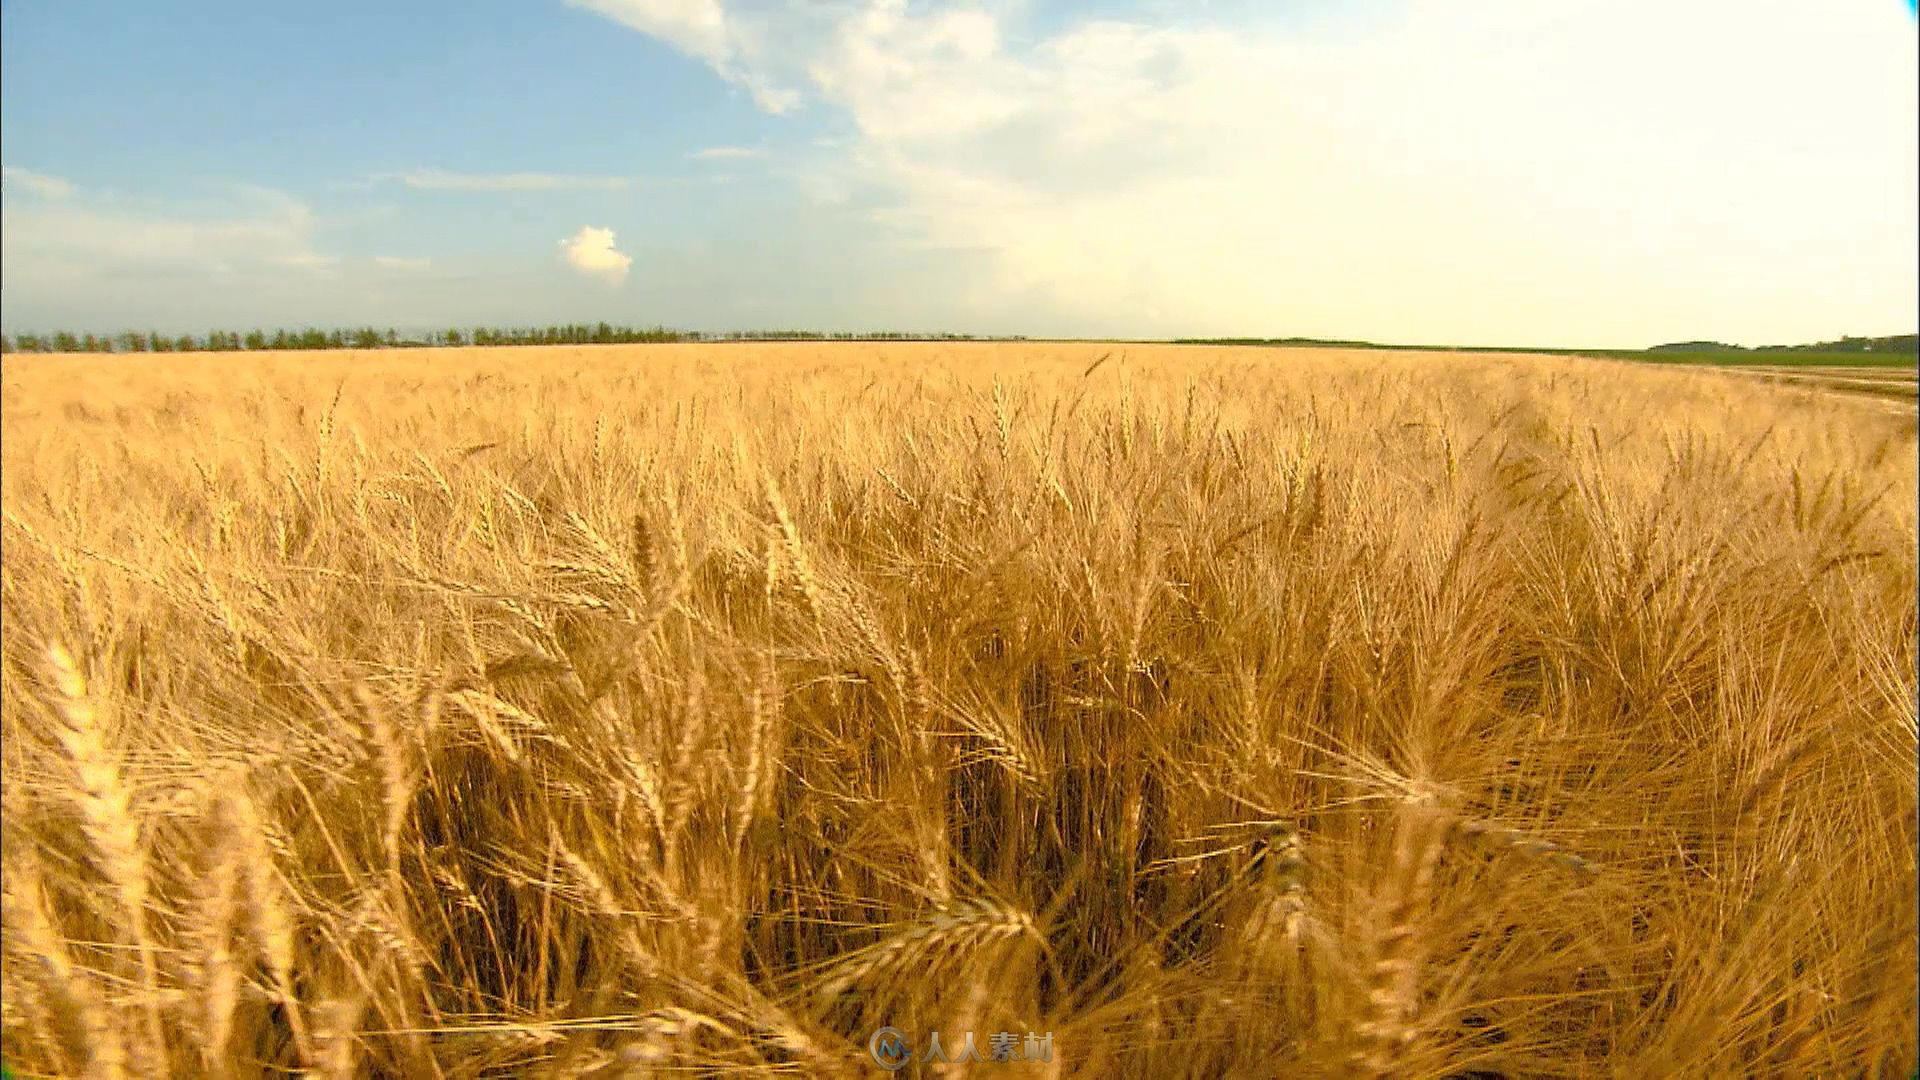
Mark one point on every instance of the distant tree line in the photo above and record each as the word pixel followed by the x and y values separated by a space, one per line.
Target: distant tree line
pixel 1323 343
pixel 1898 343
pixel 368 337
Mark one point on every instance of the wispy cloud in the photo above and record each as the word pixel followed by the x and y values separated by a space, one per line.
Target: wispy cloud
pixel 591 252
pixel 303 260
pixel 78 233
pixel 29 182
pixel 402 263
pixel 727 153
pixel 441 180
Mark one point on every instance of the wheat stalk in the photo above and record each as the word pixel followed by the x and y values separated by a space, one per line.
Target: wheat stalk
pixel 79 1020
pixel 216 970
pixel 1391 1022
pixel 106 807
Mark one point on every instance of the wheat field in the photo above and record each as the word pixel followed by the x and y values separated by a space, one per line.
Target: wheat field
pixel 698 710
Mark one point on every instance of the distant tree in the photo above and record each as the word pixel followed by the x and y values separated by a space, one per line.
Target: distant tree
pixel 65 342
pixel 156 343
pixel 455 337
pixel 185 344
pixel 256 339
pixel 393 338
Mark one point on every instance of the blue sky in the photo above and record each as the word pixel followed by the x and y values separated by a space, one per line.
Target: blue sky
pixel 1468 171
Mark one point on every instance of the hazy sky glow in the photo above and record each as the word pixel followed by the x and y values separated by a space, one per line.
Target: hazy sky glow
pixel 1498 172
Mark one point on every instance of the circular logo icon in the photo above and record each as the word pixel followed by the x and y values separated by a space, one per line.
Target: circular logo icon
pixel 889 1049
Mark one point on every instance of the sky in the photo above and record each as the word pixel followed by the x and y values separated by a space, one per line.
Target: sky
pixel 1593 173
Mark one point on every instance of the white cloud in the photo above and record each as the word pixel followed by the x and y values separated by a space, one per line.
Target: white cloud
pixel 440 180
pixel 1593 171
pixel 695 27
pixel 402 262
pixel 32 183
pixel 703 29
pixel 726 153
pixel 591 252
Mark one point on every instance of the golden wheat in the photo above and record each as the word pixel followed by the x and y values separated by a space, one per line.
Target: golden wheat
pixel 648 710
